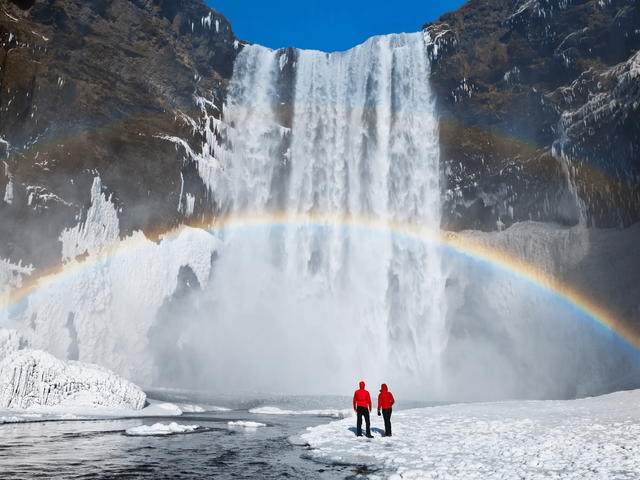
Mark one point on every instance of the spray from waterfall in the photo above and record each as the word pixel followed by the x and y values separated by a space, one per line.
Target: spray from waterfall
pixel 358 136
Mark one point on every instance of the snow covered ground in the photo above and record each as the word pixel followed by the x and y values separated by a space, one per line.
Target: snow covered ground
pixel 595 438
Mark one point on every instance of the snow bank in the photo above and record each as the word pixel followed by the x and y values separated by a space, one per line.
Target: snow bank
pixel 203 408
pixel 161 429
pixel 319 413
pixel 589 438
pixel 32 378
pixel 246 424
pixel 86 412
pixel 170 407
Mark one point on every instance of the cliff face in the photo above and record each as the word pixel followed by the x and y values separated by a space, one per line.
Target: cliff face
pixel 89 88
pixel 538 99
pixel 540 118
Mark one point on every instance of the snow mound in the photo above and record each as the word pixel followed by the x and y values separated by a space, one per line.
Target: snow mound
pixel 588 438
pixel 319 413
pixel 32 378
pixel 247 424
pixel 161 429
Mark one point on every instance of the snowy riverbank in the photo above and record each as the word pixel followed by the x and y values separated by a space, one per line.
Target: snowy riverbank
pixel 153 408
pixel 596 438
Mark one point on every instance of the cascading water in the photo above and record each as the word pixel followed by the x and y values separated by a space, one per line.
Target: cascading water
pixel 357 140
pixel 319 157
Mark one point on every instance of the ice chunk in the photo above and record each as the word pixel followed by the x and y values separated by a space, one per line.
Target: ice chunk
pixel 33 378
pixel 246 424
pixel 161 429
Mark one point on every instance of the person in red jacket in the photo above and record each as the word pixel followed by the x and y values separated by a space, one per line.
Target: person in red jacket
pixel 385 402
pixel 362 406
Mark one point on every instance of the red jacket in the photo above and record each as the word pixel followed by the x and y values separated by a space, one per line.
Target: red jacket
pixel 362 398
pixel 385 399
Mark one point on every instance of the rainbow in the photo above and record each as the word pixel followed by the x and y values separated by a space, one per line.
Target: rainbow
pixel 466 246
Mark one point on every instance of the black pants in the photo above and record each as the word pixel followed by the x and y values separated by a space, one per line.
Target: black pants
pixel 363 412
pixel 386 414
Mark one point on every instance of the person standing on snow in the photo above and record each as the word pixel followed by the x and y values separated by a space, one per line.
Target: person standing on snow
pixel 362 406
pixel 385 401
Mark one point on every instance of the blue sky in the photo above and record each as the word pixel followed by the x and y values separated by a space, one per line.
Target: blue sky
pixel 329 25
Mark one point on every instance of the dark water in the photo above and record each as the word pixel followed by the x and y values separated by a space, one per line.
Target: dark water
pixel 100 449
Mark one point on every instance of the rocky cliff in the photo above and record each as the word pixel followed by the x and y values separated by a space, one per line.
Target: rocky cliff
pixel 539 102
pixel 91 88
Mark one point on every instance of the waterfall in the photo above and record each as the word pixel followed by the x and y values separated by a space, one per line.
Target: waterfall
pixel 334 137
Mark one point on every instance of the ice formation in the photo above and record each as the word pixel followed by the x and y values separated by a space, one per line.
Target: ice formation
pixel 202 408
pixel 161 429
pixel 510 338
pixel 10 279
pixel 10 341
pixel 170 407
pixel 8 193
pixel 550 247
pixel 318 413
pixel 246 424
pixel 32 378
pixel 109 290
pixel 590 438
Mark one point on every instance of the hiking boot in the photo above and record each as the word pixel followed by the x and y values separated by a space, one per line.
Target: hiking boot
pixel 369 436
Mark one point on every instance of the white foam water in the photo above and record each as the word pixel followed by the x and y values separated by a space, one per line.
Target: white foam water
pixel 358 139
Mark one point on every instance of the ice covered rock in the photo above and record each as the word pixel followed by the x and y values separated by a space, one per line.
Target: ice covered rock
pixel 105 299
pixel 33 378
pixel 10 341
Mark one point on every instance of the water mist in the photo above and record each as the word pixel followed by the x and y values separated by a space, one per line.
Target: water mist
pixel 319 306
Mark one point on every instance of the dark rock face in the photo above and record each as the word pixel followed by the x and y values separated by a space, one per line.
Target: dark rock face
pixel 539 100
pixel 539 103
pixel 90 88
